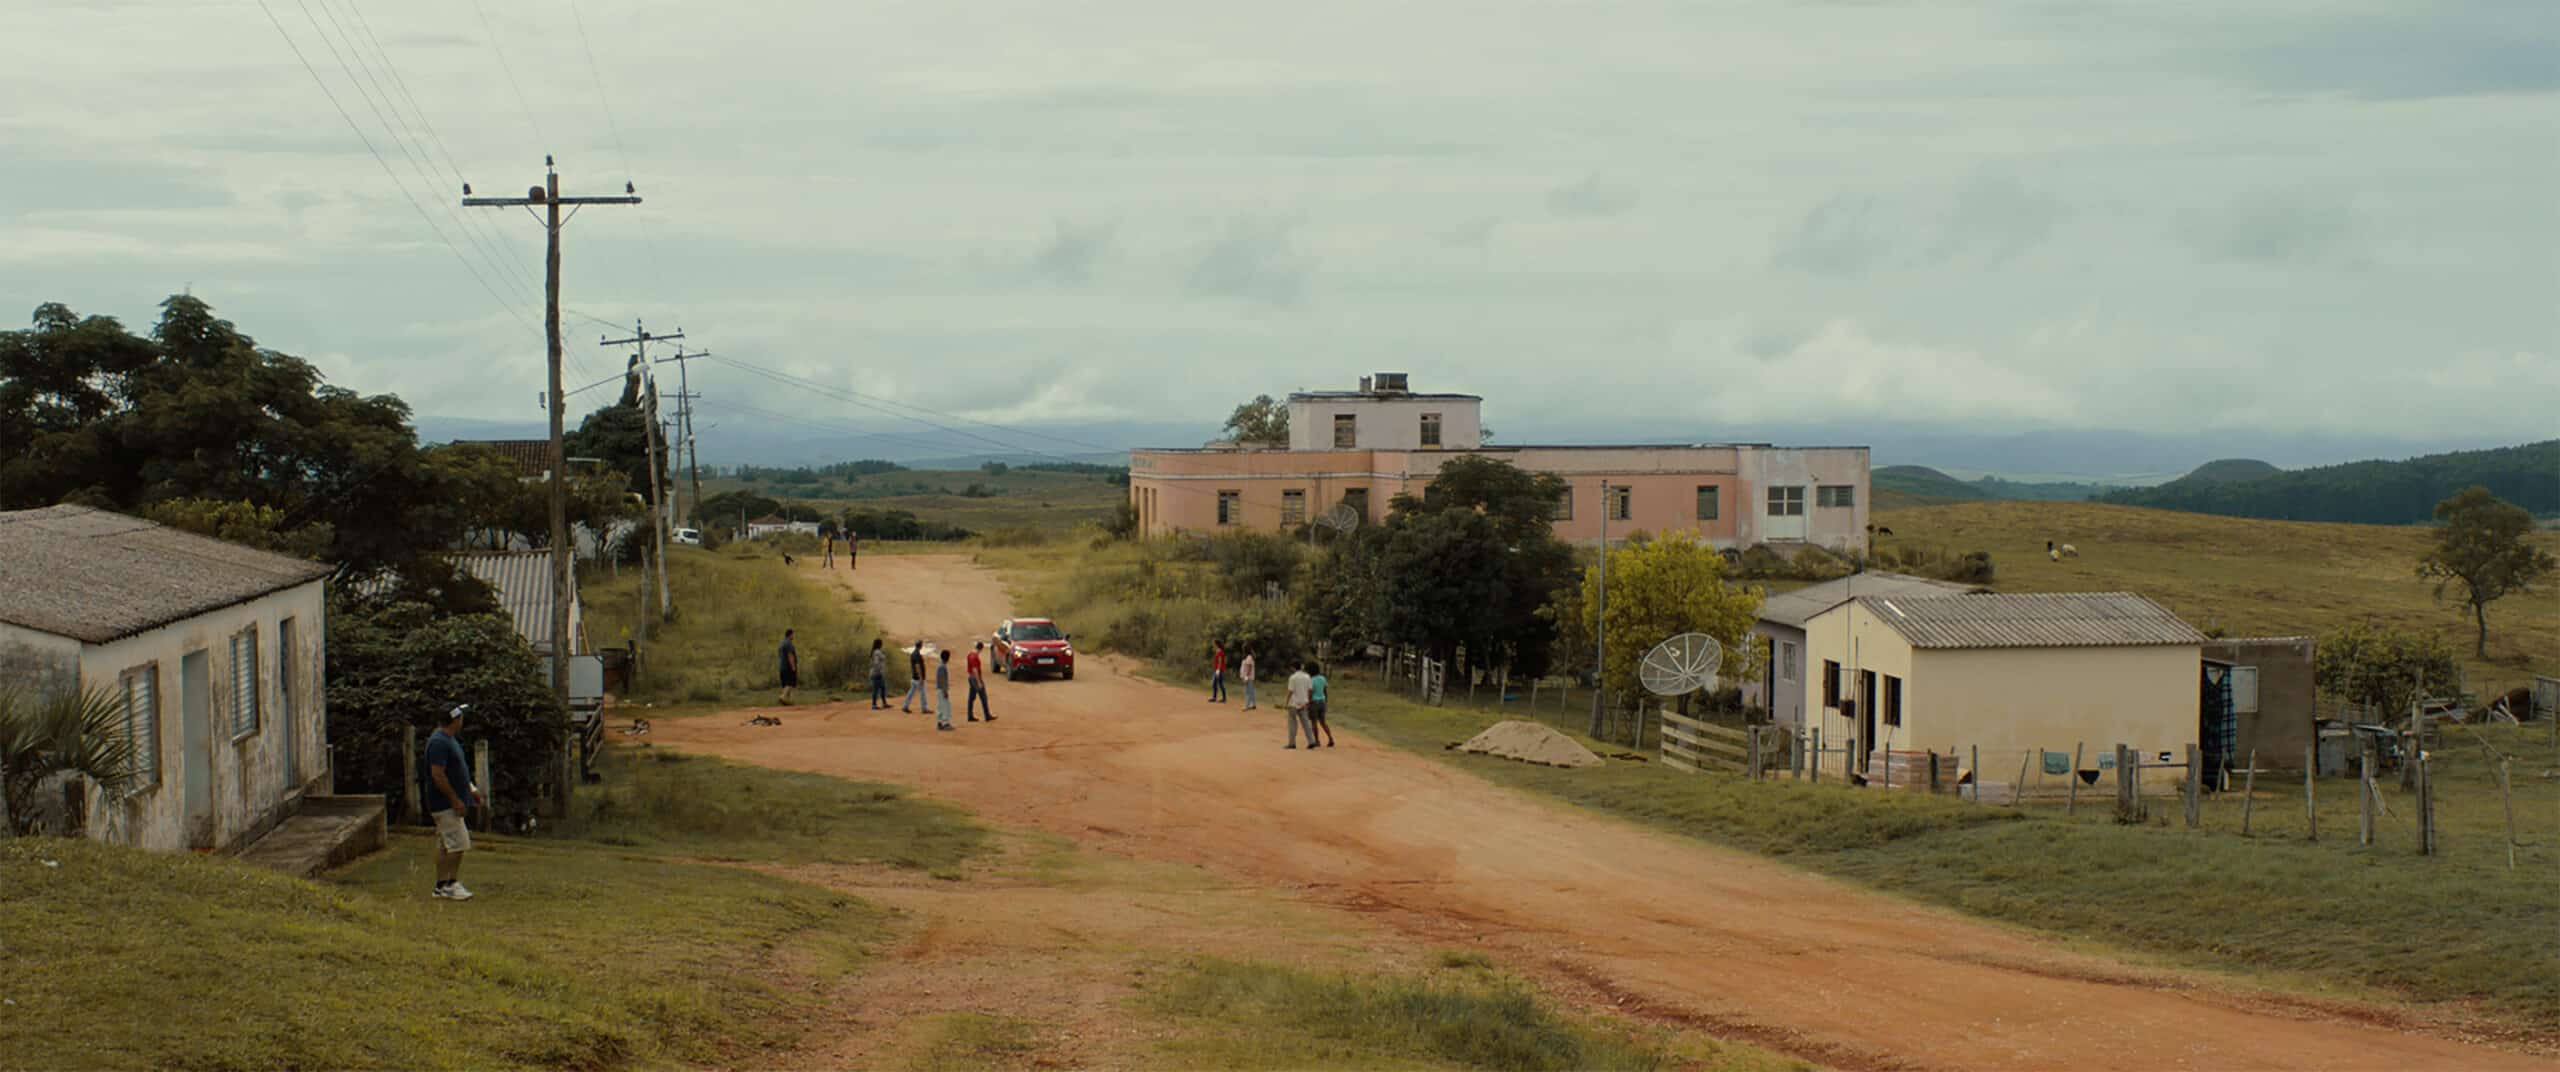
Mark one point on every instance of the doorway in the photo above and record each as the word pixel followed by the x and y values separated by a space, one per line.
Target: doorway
pixel 286 687
pixel 195 722
pixel 1867 716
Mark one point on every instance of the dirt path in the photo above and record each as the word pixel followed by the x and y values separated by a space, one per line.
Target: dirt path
pixel 1664 927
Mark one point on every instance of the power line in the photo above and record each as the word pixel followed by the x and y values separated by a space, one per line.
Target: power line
pixel 503 65
pixel 387 172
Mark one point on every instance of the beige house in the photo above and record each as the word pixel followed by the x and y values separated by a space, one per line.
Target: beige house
pixel 2014 675
pixel 215 651
pixel 1360 449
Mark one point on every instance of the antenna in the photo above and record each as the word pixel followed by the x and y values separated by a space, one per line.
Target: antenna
pixel 1342 518
pixel 1681 665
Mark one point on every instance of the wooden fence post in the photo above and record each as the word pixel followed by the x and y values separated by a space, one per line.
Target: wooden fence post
pixel 2195 787
pixel 480 779
pixel 2018 789
pixel 1816 765
pixel 409 775
pixel 1795 753
pixel 2310 796
pixel 2507 798
pixel 1751 753
pixel 2248 792
pixel 2072 805
pixel 2426 807
pixel 1977 774
pixel 1849 761
pixel 1934 789
pixel 2128 786
pixel 2367 795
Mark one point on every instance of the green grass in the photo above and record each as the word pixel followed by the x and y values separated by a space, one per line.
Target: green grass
pixel 573 956
pixel 962 1041
pixel 1049 501
pixel 2326 914
pixel 1257 1015
pixel 2248 577
pixel 686 805
pixel 732 605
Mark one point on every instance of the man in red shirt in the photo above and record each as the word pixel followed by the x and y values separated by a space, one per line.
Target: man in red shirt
pixel 1218 673
pixel 978 683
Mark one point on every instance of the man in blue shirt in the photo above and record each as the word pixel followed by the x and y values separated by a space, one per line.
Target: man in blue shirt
pixel 448 792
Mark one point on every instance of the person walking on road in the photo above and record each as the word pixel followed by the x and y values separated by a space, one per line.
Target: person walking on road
pixel 879 675
pixel 449 795
pixel 852 549
pixel 1301 689
pixel 942 692
pixel 830 561
pixel 790 667
pixel 1218 673
pixel 1316 707
pixel 915 679
pixel 978 684
pixel 1244 673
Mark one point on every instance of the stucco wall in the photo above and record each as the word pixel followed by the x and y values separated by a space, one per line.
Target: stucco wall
pixel 1386 423
pixel 1785 698
pixel 1857 640
pixel 252 776
pixel 2288 697
pixel 39 662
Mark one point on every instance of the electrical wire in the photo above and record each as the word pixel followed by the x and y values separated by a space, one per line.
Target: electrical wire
pixel 521 101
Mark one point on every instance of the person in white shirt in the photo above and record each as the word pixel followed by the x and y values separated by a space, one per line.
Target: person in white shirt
pixel 1245 673
pixel 1301 691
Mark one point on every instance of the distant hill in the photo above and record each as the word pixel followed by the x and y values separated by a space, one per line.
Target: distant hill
pixel 1918 485
pixel 2374 492
pixel 2231 471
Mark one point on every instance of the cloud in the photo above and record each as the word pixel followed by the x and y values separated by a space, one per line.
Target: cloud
pixel 1253 261
pixel 1069 255
pixel 1840 236
pixel 1594 195
pixel 1991 218
pixel 2277 229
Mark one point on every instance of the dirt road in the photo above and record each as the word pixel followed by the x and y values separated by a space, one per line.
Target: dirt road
pixel 1655 925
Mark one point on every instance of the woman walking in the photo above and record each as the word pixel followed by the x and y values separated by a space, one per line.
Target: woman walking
pixel 1315 707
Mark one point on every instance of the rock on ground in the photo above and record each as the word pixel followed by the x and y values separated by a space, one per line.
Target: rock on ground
pixel 1530 742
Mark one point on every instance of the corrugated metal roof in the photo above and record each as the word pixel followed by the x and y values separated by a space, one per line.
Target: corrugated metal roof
pixel 2039 620
pixel 1800 606
pixel 522 581
pixel 97 576
pixel 531 456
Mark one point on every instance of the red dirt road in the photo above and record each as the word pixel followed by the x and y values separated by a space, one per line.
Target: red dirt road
pixel 1655 925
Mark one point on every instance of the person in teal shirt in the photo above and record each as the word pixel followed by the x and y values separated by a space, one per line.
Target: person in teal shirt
pixel 1315 710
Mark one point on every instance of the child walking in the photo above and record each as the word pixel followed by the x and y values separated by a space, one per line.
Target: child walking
pixel 1316 706
pixel 942 692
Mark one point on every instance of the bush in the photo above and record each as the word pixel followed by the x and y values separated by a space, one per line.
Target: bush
pixel 1272 632
pixel 395 666
pixel 1249 562
pixel 1017 536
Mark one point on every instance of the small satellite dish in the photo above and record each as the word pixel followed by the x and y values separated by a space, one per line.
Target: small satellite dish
pixel 1342 518
pixel 1681 665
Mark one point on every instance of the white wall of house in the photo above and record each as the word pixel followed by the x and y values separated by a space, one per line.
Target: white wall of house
pixel 230 782
pixel 1812 469
pixel 1386 423
pixel 2008 702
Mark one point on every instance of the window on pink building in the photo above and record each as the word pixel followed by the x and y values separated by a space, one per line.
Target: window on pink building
pixel 1293 506
pixel 1621 504
pixel 1564 505
pixel 1346 431
pixel 1710 502
pixel 1230 507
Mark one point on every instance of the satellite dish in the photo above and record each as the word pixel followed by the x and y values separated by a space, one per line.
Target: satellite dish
pixel 1342 518
pixel 1681 665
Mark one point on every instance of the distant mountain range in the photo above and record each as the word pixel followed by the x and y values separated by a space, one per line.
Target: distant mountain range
pixel 2376 492
pixel 1904 485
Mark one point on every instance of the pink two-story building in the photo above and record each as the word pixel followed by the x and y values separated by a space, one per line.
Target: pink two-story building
pixel 1363 448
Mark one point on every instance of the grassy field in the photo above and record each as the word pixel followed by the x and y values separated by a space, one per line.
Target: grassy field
pixel 2249 577
pixel 732 605
pixel 2318 915
pixel 588 952
pixel 1018 498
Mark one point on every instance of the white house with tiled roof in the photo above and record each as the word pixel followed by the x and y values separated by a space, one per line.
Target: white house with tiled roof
pixel 214 651
pixel 2016 676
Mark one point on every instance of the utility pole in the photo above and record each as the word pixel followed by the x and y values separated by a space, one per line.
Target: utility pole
pixel 548 197
pixel 1600 629
pixel 684 419
pixel 640 338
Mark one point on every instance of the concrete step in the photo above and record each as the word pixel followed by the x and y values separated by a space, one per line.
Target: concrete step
pixel 325 831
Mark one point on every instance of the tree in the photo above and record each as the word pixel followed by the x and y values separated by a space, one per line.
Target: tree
pixel 1670 585
pixel 244 523
pixel 619 437
pixel 53 740
pixel 2382 668
pixel 2483 553
pixel 1466 566
pixel 1259 421
pixel 395 665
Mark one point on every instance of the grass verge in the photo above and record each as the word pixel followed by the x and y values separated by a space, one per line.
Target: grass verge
pixel 687 805
pixel 1244 1014
pixel 2325 914
pixel 732 605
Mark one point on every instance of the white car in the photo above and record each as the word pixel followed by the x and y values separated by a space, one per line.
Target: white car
pixel 689 537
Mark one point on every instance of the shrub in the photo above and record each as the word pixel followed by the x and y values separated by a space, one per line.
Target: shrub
pixel 1249 562
pixel 1272 632
pixel 1017 536
pixel 398 665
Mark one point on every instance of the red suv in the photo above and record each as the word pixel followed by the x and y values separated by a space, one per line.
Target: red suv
pixel 1027 646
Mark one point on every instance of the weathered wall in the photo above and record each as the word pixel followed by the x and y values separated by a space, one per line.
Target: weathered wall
pixel 254 775
pixel 1781 691
pixel 2288 696
pixel 1386 423
pixel 37 662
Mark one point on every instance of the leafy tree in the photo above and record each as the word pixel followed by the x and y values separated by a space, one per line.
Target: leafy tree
pixel 2376 492
pixel 1262 420
pixel 1468 565
pixel 1670 585
pixel 2382 668
pixel 396 665
pixel 619 435
pixel 728 506
pixel 995 468
pixel 2484 555
pixel 245 523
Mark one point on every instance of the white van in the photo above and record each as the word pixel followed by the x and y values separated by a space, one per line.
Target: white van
pixel 689 537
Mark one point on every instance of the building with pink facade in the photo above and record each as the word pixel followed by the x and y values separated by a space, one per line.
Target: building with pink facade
pixel 1363 448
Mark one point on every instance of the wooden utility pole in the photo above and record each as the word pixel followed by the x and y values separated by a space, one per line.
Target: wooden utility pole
pixel 1600 620
pixel 640 340
pixel 547 197
pixel 684 420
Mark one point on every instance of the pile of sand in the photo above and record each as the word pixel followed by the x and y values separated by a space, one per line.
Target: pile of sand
pixel 1530 742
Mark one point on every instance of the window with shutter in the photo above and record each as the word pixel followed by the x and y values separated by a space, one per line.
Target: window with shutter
pixel 2244 690
pixel 244 682
pixel 1710 502
pixel 142 722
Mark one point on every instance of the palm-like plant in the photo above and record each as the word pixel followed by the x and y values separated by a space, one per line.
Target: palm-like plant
pixel 46 736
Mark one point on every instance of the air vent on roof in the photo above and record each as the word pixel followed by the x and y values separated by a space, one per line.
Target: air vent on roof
pixel 1391 383
pixel 1364 385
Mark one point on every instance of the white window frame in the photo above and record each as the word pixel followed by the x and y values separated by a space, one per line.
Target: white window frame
pixel 1786 500
pixel 2244 699
pixel 247 698
pixel 1786 660
pixel 142 723
pixel 1430 429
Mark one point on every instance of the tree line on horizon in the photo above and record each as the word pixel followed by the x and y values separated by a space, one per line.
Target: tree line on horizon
pixel 2369 492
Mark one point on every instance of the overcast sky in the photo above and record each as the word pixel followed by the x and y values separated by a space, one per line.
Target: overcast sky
pixel 2322 217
